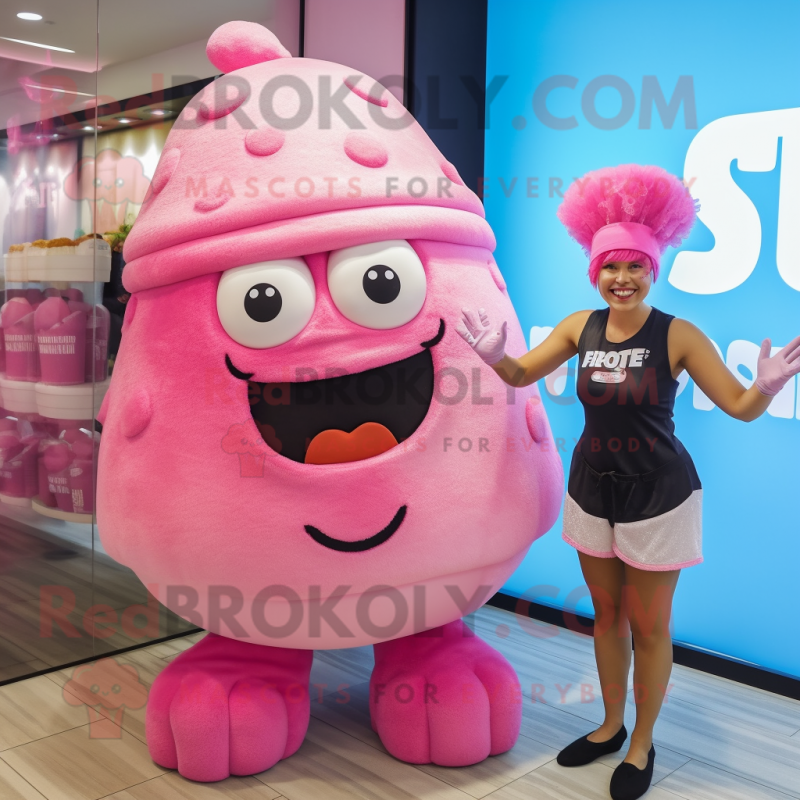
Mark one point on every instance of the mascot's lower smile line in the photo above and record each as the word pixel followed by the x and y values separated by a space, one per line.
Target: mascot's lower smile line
pixel 345 418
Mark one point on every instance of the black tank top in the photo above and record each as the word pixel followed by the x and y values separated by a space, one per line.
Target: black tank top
pixel 628 393
pixel 628 464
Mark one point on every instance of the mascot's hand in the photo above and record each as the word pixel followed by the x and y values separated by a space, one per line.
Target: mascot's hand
pixel 773 373
pixel 486 340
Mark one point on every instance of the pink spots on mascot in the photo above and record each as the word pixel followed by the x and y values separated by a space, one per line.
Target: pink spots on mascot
pixel 299 451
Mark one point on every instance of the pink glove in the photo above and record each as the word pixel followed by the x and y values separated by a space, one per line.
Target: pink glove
pixel 484 338
pixel 773 373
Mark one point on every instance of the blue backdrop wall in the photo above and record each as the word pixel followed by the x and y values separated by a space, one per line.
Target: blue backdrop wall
pixel 710 92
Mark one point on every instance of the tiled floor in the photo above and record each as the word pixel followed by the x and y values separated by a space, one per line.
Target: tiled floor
pixel 715 739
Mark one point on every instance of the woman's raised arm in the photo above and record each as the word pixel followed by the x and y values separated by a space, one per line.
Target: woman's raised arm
pixel 709 372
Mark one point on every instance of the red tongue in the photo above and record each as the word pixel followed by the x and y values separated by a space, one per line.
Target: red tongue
pixel 335 446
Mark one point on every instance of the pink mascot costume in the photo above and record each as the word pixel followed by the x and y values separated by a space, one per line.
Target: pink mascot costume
pixel 299 451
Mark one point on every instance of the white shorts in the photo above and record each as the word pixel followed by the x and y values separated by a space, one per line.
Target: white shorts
pixel 672 540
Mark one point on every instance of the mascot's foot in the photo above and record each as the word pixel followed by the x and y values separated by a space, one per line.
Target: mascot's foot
pixel 444 696
pixel 226 707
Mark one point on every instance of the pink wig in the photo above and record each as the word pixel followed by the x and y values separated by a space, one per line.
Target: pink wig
pixel 628 193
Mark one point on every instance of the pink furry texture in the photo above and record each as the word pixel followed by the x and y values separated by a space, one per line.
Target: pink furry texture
pixel 201 505
pixel 224 708
pixel 628 193
pixel 444 697
pixel 167 493
pixel 236 189
pixel 239 44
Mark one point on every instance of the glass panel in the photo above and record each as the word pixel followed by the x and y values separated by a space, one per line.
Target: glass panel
pixel 85 119
pixel 47 321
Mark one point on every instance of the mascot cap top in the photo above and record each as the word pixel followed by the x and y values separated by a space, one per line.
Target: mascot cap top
pixel 285 157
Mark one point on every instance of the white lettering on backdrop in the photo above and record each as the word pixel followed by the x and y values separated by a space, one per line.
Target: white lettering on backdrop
pixel 752 141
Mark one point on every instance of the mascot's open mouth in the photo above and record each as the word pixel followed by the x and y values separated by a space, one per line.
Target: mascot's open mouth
pixel 346 418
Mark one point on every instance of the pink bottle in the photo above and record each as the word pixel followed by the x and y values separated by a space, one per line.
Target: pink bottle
pixel 10 448
pixel 30 428
pixel 81 476
pixel 57 459
pixel 42 427
pixel 50 427
pixel 63 425
pixel 28 459
pixel 19 478
pixel 72 294
pixel 98 325
pixel 74 431
pixel 34 296
pixel 61 339
pixel 22 359
pixel 46 497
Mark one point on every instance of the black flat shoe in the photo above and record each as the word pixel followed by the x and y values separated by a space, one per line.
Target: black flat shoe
pixel 629 782
pixel 583 751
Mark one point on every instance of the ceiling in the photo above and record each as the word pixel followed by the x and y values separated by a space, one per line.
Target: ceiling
pixel 133 41
pixel 128 29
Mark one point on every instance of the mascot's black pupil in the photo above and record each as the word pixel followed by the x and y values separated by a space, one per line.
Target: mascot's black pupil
pixel 381 284
pixel 263 302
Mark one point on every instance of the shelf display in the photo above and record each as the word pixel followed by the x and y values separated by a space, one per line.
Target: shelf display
pixel 53 373
pixel 47 464
pixel 20 437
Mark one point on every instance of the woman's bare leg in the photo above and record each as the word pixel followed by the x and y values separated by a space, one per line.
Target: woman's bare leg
pixel 648 605
pixel 612 638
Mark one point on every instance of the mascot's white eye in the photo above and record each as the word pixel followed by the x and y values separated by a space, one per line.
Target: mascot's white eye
pixel 266 304
pixel 377 285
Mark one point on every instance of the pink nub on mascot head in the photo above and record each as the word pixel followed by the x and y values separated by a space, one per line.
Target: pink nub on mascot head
pixel 304 251
pixel 648 208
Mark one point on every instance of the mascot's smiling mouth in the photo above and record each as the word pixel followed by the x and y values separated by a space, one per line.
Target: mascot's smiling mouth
pixel 344 418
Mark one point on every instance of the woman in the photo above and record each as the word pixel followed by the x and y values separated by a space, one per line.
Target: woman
pixel 634 500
